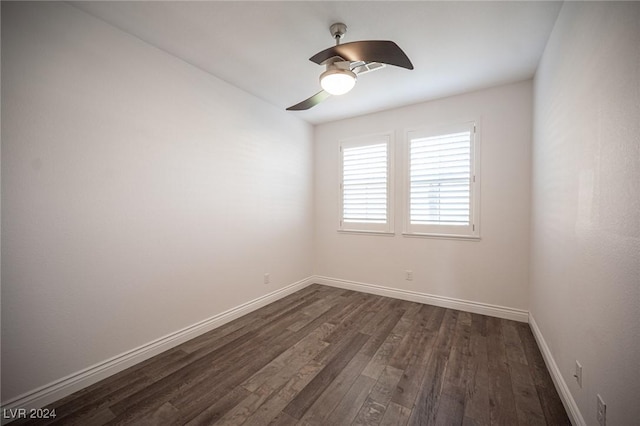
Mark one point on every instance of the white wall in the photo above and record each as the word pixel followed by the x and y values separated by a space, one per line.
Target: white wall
pixel 493 270
pixel 140 195
pixel 585 248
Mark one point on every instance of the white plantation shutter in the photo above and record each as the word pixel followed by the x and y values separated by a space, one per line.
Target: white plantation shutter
pixel 442 181
pixel 365 184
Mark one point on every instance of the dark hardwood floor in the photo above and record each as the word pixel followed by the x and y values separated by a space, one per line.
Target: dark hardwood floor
pixel 326 356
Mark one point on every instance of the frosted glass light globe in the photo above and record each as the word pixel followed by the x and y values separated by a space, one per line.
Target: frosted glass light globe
pixel 337 81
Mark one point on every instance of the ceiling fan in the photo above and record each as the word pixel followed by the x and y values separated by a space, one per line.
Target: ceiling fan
pixel 344 62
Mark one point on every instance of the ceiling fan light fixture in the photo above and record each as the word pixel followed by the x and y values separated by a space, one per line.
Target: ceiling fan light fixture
pixel 337 81
pixel 346 61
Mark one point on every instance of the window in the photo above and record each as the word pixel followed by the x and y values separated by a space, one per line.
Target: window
pixel 365 202
pixel 442 182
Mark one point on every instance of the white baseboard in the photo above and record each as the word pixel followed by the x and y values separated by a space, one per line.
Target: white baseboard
pixel 561 386
pixel 44 395
pixel 429 299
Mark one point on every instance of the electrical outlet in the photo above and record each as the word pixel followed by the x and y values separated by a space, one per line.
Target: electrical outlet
pixel 602 412
pixel 408 275
pixel 267 278
pixel 578 373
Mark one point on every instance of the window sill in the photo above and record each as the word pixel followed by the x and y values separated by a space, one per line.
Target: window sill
pixel 441 236
pixel 356 232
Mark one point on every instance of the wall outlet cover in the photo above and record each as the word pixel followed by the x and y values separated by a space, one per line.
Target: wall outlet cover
pixel 578 373
pixel 602 412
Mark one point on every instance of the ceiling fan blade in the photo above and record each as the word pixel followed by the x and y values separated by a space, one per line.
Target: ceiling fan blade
pixel 383 51
pixel 311 102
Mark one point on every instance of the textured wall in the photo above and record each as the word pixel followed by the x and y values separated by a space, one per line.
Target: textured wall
pixel 585 268
pixel 140 195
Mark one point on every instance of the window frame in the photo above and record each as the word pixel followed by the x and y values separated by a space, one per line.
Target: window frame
pixel 468 232
pixel 362 227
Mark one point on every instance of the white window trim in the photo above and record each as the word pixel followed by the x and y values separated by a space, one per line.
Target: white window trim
pixel 369 228
pixel 443 231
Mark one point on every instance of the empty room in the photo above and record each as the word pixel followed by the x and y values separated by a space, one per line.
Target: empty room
pixel 320 213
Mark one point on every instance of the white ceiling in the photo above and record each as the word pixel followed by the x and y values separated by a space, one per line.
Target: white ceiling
pixel 264 47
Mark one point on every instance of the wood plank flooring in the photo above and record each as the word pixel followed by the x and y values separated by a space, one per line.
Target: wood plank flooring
pixel 327 356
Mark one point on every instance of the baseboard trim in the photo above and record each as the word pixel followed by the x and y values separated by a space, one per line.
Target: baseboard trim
pixel 561 386
pixel 44 395
pixel 429 299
